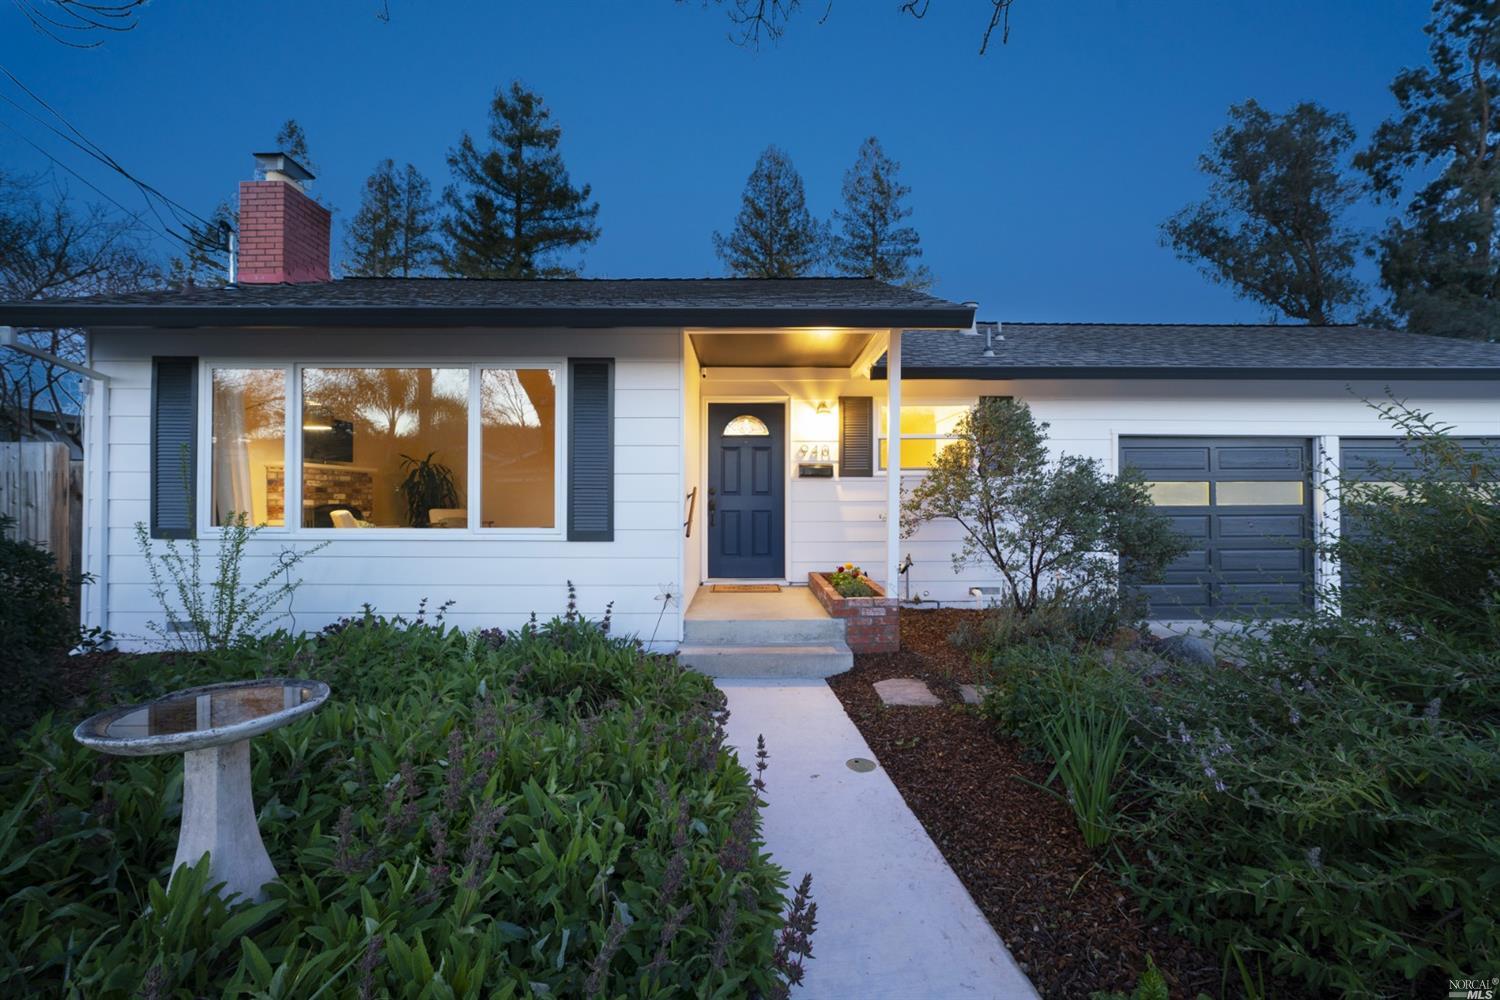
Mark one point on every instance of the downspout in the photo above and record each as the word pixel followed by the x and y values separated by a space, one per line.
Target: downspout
pixel 96 513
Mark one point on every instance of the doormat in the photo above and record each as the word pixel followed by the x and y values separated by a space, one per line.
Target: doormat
pixel 747 588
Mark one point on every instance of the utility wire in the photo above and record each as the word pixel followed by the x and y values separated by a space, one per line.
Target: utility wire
pixel 197 234
pixel 134 216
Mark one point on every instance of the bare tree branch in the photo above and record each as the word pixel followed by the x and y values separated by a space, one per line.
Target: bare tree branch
pixel 754 19
pixel 86 18
pixel 50 247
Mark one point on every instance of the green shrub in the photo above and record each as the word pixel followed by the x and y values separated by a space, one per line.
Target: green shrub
pixel 1329 804
pixel 39 623
pixel 1054 528
pixel 546 812
pixel 1028 685
pixel 1421 547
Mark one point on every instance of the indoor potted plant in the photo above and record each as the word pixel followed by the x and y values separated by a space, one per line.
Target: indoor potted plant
pixel 427 484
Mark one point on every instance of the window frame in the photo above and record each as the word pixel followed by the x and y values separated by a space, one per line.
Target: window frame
pixel 292 372
pixel 880 416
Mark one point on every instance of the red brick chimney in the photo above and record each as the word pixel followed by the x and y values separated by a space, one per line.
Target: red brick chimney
pixel 283 232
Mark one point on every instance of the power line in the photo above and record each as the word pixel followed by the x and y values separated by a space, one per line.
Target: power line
pixel 197 236
pixel 134 216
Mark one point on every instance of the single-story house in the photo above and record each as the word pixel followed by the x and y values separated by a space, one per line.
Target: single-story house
pixel 484 442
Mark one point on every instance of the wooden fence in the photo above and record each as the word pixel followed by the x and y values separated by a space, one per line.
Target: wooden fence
pixel 42 490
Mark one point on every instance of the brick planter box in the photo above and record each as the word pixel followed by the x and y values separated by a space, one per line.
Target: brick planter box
pixel 871 624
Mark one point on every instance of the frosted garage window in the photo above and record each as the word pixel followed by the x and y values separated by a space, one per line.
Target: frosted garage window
pixel 1175 494
pixel 1260 494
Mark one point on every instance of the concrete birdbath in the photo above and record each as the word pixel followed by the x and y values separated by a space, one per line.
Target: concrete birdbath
pixel 211 727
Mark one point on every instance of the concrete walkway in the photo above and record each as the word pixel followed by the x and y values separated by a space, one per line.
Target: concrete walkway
pixel 893 920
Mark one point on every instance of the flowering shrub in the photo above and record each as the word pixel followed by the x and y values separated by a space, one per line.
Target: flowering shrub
pixel 850 581
pixel 548 813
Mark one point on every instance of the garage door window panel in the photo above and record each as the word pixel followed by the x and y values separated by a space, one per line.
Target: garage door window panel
pixel 1260 493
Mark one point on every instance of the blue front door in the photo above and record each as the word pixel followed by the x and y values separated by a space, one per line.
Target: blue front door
pixel 746 491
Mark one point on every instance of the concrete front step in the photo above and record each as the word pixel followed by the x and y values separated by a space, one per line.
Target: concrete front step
pixel 781 660
pixel 750 632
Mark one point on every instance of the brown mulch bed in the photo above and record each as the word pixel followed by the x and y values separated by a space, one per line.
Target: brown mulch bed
pixel 1067 921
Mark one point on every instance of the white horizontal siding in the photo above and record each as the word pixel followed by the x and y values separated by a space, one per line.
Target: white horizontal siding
pixel 493 580
pixel 843 520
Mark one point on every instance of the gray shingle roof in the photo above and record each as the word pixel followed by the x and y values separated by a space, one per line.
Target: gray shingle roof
pixel 1113 350
pixel 591 302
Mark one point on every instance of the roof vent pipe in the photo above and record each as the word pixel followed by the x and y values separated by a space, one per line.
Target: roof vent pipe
pixel 973 323
pixel 990 329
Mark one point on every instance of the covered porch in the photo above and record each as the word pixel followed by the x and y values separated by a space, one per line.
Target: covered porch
pixel 785 454
pixel 786 458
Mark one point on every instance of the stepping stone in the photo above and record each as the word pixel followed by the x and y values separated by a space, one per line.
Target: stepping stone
pixel 971 694
pixel 905 691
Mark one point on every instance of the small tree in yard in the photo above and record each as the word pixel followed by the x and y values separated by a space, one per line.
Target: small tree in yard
pixel 1055 530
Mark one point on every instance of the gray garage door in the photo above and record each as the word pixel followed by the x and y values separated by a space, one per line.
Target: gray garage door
pixel 1377 460
pixel 1245 506
pixel 1373 459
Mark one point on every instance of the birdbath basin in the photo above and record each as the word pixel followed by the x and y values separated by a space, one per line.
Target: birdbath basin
pixel 211 727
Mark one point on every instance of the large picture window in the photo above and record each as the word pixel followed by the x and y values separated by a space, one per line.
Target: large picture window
pixel 926 429
pixel 461 447
pixel 385 447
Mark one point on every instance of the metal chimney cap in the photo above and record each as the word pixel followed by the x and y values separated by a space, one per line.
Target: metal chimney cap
pixel 279 166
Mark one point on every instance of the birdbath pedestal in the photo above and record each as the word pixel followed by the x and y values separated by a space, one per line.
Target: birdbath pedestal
pixel 211 727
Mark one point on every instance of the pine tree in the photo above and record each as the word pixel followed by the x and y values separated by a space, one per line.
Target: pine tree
pixel 291 140
pixel 512 209
pixel 1440 262
pixel 869 240
pixel 393 231
pixel 774 235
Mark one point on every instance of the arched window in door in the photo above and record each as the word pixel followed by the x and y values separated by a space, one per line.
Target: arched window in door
pixel 745 425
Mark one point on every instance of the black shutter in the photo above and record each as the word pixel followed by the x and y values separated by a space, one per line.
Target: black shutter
pixel 856 437
pixel 591 450
pixel 174 446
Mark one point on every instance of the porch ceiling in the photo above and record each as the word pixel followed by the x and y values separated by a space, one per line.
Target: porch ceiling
pixel 781 348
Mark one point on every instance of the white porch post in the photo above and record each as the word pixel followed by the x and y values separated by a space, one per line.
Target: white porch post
pixel 893 463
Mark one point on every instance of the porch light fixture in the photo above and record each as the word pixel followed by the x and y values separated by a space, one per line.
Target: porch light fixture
pixel 823 410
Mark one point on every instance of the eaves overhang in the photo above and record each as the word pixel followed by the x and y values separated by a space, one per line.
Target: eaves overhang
pixel 63 314
pixel 1169 372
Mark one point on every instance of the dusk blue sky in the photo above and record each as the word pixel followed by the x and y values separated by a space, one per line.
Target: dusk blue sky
pixel 1040 172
